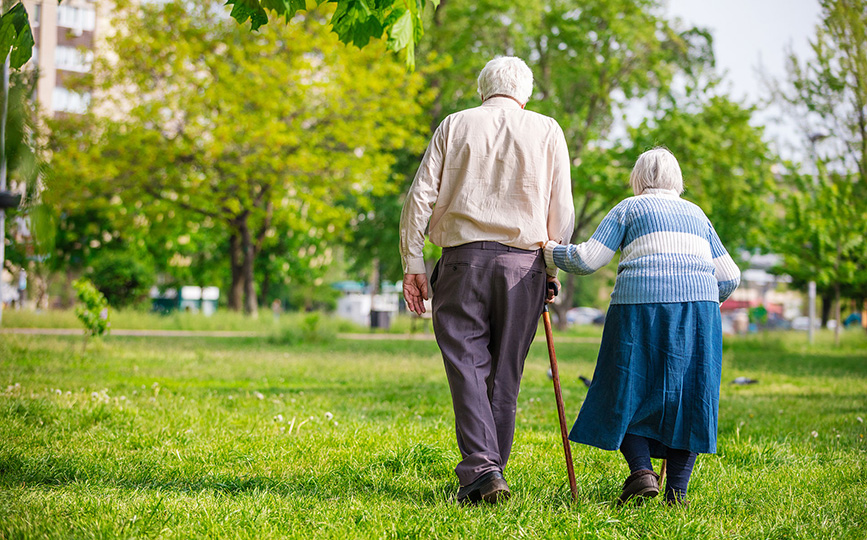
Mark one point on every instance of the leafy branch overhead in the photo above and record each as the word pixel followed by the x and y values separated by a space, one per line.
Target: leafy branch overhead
pixel 354 21
pixel 15 36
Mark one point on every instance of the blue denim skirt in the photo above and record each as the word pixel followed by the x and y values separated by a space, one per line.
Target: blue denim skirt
pixel 657 376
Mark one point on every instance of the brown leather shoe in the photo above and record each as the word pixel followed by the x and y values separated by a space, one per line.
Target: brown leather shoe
pixel 643 484
pixel 490 487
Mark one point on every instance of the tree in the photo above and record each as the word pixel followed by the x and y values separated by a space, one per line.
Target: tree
pixel 827 95
pixel 263 138
pixel 354 21
pixel 825 239
pixel 823 234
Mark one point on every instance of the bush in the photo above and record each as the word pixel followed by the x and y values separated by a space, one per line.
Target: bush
pixel 122 277
pixel 93 311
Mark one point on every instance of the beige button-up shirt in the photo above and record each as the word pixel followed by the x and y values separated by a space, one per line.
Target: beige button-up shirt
pixel 492 173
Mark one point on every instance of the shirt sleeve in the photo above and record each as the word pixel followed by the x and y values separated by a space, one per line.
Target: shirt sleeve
pixel 728 275
pixel 590 256
pixel 419 204
pixel 561 209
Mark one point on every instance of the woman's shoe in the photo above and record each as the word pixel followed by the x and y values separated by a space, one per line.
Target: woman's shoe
pixel 640 484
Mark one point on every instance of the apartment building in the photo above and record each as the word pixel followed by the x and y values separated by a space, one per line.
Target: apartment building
pixel 66 36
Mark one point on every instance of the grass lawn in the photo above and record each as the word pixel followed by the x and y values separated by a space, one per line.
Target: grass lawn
pixel 244 438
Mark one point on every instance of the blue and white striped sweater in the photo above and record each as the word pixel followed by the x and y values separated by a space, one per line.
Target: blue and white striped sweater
pixel 670 252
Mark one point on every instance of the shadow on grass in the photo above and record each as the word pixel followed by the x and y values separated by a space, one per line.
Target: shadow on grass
pixel 418 476
pixel 414 475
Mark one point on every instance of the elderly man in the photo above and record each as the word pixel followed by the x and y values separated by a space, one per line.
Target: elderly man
pixel 494 183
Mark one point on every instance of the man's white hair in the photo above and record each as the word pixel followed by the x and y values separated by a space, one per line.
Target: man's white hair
pixel 656 169
pixel 506 75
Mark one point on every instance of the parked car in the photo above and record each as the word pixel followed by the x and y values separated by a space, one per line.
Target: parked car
pixel 585 315
pixel 803 323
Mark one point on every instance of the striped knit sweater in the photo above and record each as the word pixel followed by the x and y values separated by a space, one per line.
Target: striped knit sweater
pixel 669 252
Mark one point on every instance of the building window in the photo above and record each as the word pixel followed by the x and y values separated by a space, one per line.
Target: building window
pixel 73 59
pixel 76 19
pixel 64 100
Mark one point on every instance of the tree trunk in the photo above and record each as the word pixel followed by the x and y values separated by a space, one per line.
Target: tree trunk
pixel 827 304
pixel 236 290
pixel 266 288
pixel 248 252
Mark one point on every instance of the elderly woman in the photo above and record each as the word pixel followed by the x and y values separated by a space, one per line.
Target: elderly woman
pixel 655 391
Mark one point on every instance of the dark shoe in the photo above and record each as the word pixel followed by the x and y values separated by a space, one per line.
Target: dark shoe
pixel 490 487
pixel 640 484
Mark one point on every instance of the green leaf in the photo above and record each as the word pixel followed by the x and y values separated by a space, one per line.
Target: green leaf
pixel 401 32
pixel 15 34
pixel 248 9
pixel 353 22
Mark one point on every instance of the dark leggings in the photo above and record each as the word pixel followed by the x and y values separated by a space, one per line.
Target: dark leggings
pixel 636 450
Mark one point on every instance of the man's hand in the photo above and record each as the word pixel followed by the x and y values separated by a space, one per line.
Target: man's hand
pixel 550 292
pixel 415 292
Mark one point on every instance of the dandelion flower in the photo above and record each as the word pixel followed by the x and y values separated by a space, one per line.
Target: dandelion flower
pixel 814 434
pixel 58 391
pixel 94 395
pixel 328 416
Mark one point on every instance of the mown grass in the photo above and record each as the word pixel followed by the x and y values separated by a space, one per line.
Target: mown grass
pixel 243 438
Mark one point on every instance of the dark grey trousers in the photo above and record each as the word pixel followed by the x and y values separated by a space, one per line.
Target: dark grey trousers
pixel 486 306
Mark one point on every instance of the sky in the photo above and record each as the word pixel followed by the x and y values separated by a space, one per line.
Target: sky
pixel 752 36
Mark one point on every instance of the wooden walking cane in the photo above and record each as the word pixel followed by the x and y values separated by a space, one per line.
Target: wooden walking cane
pixel 558 395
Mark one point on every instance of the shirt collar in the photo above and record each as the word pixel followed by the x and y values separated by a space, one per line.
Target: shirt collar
pixel 501 102
pixel 661 192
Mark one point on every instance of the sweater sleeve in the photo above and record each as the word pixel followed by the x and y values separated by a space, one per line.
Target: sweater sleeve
pixel 588 257
pixel 728 275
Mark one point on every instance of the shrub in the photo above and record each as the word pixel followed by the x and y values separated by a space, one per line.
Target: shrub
pixel 122 277
pixel 93 311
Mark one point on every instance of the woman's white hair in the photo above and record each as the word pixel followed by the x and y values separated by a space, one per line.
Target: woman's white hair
pixel 506 75
pixel 656 169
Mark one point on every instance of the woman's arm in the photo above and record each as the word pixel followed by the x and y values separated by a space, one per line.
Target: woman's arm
pixel 588 257
pixel 728 275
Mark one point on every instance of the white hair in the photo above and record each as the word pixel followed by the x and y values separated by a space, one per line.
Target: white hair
pixel 506 75
pixel 656 169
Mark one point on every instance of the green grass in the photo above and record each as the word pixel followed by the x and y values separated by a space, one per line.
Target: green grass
pixel 244 438
pixel 223 320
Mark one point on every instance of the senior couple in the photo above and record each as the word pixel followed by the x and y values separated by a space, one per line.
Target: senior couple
pixel 494 188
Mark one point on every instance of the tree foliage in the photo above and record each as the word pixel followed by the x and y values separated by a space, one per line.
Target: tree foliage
pixel 16 38
pixel 822 233
pixel 355 22
pixel 827 94
pixel 235 144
